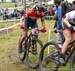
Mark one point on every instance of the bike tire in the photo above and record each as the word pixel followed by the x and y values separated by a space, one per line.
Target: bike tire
pixel 45 65
pixel 22 55
pixel 30 58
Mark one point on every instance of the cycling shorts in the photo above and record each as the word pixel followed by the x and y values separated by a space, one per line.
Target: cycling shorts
pixel 26 26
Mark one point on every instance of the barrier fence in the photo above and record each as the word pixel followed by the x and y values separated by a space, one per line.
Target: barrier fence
pixel 10 27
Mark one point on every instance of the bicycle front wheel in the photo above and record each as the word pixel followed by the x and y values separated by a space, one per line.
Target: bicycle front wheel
pixel 45 61
pixel 33 59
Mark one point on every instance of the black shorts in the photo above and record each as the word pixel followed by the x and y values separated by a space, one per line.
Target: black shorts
pixel 27 25
pixel 30 23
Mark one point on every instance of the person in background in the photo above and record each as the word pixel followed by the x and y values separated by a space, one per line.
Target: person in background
pixel 58 22
pixel 51 11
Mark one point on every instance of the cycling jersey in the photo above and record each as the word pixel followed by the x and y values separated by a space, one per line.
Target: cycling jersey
pixel 70 16
pixel 32 14
pixel 31 19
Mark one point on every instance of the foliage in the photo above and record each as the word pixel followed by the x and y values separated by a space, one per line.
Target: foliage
pixel 8 4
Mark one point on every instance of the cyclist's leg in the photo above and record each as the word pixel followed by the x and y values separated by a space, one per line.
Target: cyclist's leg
pixel 24 33
pixel 22 38
pixel 68 37
pixel 73 36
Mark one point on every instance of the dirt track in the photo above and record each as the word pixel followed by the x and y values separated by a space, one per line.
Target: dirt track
pixel 9 60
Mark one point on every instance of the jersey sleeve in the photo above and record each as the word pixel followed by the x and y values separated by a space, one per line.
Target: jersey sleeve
pixel 29 12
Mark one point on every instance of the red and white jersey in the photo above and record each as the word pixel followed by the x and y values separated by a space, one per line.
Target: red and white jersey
pixel 33 15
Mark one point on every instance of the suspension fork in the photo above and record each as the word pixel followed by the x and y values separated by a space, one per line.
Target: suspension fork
pixel 34 38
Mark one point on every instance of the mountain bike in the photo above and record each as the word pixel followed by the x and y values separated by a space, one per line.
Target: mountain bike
pixel 47 63
pixel 31 48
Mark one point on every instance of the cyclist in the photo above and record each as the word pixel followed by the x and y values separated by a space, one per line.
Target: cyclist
pixel 30 20
pixel 68 29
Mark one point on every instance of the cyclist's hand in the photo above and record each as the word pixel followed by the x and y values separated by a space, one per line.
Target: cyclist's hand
pixel 22 26
pixel 43 30
pixel 72 28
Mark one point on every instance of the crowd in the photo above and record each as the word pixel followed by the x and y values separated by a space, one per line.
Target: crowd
pixel 14 14
pixel 10 14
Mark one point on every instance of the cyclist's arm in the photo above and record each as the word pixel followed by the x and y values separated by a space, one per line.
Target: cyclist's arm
pixel 22 19
pixel 66 22
pixel 43 22
pixel 69 16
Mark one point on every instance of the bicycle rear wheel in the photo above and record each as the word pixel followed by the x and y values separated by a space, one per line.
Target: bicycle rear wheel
pixel 22 54
pixel 45 61
pixel 33 59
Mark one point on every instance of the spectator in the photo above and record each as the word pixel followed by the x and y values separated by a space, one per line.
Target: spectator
pixel 6 13
pixel 1 11
pixel 51 11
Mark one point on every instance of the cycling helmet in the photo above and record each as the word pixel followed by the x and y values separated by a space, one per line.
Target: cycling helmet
pixel 57 1
pixel 40 8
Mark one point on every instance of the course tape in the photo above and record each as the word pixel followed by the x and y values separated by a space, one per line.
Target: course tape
pixel 9 27
pixel 9 20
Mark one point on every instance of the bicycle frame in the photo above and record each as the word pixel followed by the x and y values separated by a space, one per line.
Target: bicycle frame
pixel 33 32
pixel 28 36
pixel 31 37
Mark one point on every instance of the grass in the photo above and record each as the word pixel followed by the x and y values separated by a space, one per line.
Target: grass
pixel 7 24
pixel 8 4
pixel 12 38
pixel 0 17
